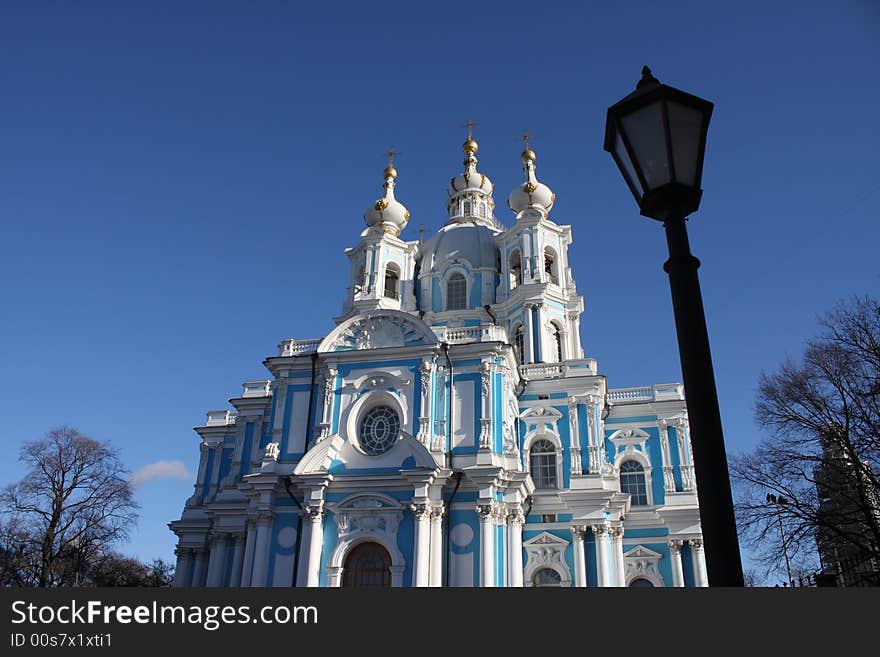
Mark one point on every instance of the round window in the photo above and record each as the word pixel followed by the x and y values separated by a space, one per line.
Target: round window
pixel 379 430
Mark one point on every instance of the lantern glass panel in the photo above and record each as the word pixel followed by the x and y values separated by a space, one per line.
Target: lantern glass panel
pixel 626 163
pixel 685 127
pixel 646 135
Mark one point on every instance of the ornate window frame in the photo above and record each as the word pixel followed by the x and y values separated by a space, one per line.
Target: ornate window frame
pixel 545 430
pixel 643 563
pixel 519 350
pixel 630 443
pixel 562 345
pixel 363 405
pixel 546 550
pixel 456 268
pixel 393 268
pixel 514 281
pixel 366 518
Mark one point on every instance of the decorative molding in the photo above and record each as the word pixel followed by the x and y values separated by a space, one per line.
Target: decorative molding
pixel 486 433
pixel 546 550
pixel 642 563
pixel 273 450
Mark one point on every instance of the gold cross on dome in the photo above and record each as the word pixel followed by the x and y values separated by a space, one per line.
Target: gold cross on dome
pixel 469 124
pixel 526 137
pixel 391 154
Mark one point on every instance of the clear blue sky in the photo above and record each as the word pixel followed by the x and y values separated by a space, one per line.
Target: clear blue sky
pixel 178 182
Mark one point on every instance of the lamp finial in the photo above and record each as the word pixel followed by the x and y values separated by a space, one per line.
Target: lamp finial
pixel 647 78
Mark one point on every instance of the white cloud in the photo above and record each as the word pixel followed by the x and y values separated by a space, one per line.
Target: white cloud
pixel 160 470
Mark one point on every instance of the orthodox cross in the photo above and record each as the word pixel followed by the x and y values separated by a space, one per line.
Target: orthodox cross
pixel 391 154
pixel 526 136
pixel 469 125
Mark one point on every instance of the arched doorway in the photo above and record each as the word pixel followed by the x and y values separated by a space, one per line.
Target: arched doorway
pixel 367 565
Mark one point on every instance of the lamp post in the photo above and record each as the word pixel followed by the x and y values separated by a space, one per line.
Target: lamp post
pixel 657 137
pixel 778 502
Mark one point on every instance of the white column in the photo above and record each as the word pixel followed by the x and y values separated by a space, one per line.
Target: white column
pixel 201 562
pixel 675 558
pixel 580 562
pixel 426 371
pixel 247 568
pixel 217 560
pixel 617 551
pixel 575 438
pixel 515 521
pixel 528 333
pixel 699 559
pixel 184 567
pixel 487 370
pixel 316 541
pixel 437 546
pixel 237 560
pixel 684 454
pixel 668 478
pixel 261 550
pixel 595 457
pixel 602 533
pixel 422 514
pixel 487 544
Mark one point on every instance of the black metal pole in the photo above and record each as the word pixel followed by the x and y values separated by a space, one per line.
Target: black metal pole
pixel 723 562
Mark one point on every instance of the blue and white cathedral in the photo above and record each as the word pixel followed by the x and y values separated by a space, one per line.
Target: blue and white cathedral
pixel 449 431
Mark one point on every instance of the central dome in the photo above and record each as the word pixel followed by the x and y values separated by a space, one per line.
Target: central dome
pixel 467 243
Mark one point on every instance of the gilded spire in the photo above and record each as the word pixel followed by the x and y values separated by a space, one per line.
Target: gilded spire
pixel 528 154
pixel 390 171
pixel 469 146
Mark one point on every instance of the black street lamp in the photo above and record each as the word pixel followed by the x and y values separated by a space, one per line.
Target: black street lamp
pixel 657 136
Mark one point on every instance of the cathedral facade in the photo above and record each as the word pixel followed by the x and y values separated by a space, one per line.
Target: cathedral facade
pixel 449 431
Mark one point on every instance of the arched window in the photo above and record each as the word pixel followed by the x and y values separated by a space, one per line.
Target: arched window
pixel 632 481
pixel 641 583
pixel 546 577
pixel 360 284
pixel 392 282
pixel 456 292
pixel 542 462
pixel 482 209
pixel 515 269
pixel 467 208
pixel 551 275
pixel 556 335
pixel 367 565
pixel 519 345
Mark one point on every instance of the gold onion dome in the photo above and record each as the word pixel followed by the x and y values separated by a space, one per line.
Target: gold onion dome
pixel 532 193
pixel 470 180
pixel 388 213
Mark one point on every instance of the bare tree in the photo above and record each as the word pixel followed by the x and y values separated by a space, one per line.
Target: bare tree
pixel 73 503
pixel 811 487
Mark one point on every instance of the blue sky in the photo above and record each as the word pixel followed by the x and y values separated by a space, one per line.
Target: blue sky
pixel 179 181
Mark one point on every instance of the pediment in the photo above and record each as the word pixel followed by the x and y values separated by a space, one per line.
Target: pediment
pixel 629 436
pixel 337 455
pixel 378 330
pixel 546 538
pixel 367 503
pixel 540 415
pixel 641 552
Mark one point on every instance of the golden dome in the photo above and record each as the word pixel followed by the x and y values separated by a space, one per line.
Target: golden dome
pixel 528 155
pixel 390 172
pixel 469 146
